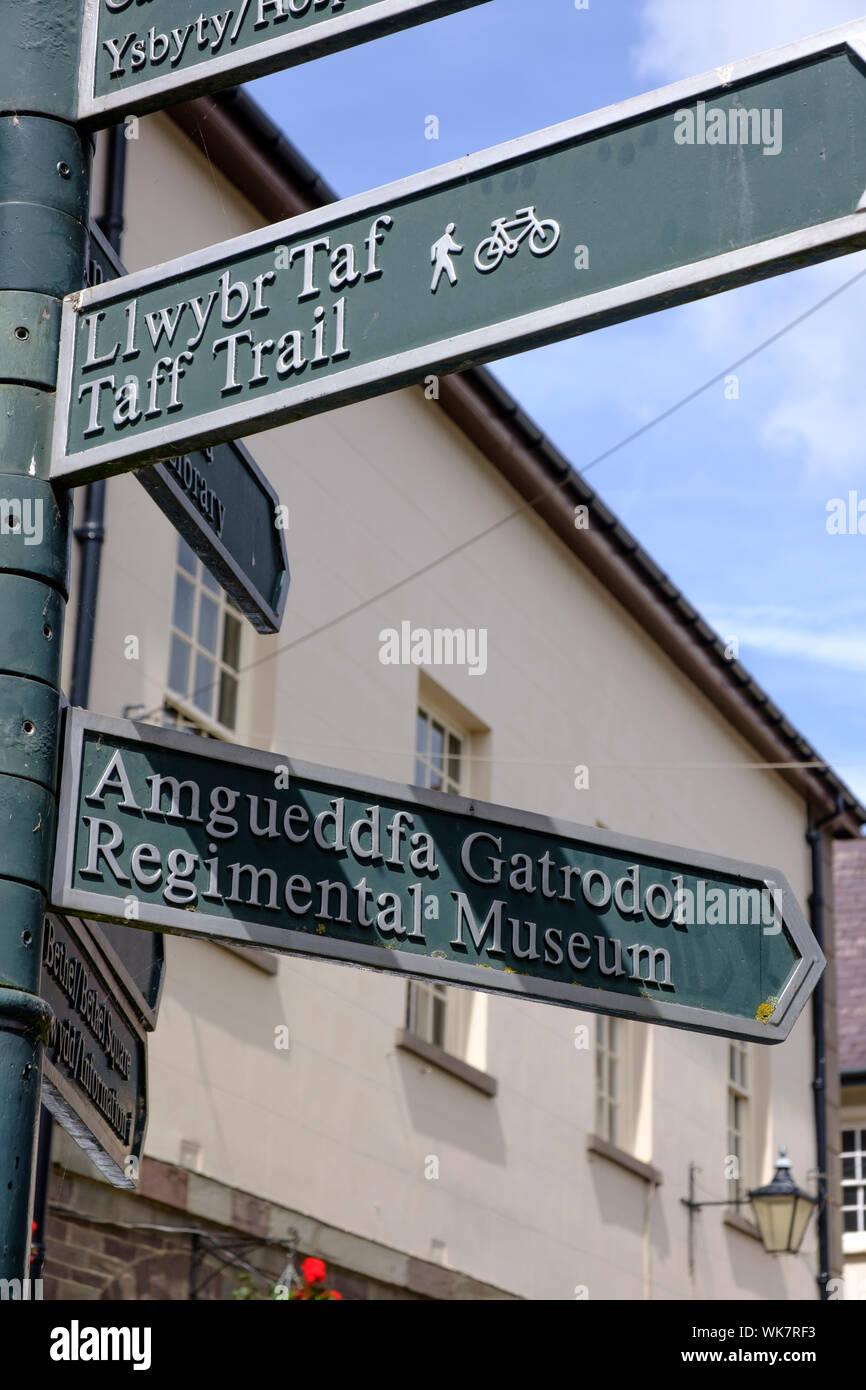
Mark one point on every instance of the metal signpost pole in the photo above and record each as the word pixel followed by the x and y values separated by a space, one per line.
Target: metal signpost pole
pixel 43 230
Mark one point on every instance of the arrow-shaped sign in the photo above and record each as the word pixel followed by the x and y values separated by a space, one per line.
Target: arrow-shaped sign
pixel 221 503
pixel 94 1071
pixel 711 183
pixel 141 55
pixel 241 846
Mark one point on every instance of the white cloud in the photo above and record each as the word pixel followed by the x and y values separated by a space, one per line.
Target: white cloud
pixel 774 632
pixel 809 386
pixel 828 429
pixel 753 613
pixel 681 38
pixel 801 399
pixel 810 380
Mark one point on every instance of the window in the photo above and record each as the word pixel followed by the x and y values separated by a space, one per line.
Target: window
pixel 427 1014
pixel 438 754
pixel 191 1155
pixel 739 1091
pixel 854 1181
pixel 609 1079
pixel 440 1014
pixel 204 658
pixel 170 717
pixel 623 1099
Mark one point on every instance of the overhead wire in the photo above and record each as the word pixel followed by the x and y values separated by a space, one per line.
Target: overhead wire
pixel 528 506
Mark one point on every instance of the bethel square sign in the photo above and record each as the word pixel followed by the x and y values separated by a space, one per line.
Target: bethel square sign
pixel 240 846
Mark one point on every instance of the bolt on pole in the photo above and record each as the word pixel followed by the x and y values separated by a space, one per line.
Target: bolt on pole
pixel 44 195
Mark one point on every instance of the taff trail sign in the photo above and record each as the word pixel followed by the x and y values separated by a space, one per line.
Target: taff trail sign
pixel 749 171
pixel 140 55
pixel 239 846
pixel 220 502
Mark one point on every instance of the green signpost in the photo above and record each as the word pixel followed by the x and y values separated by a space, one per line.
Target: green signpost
pixel 221 502
pixel 710 183
pixel 223 505
pixel 94 1078
pixel 241 846
pixel 746 172
pixel 138 57
pixel 44 196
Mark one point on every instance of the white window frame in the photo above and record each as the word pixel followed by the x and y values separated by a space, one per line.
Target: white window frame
pixel 423 761
pixel 854 1242
pixel 439 1014
pixel 427 1001
pixel 177 713
pixel 192 570
pixel 184 718
pixel 611 1081
pixel 739 1113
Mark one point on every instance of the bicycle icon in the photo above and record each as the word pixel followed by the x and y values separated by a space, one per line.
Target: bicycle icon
pixel 508 234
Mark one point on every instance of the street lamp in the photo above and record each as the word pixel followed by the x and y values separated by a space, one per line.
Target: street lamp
pixel 782 1210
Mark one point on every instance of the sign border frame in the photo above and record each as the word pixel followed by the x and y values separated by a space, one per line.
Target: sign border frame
pixel 146 1013
pixel 331 35
pixel 265 617
pixel 410 965
pixel 63 1100
pixel 663 290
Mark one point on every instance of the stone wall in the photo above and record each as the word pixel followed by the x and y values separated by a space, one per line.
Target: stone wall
pixel 181 1235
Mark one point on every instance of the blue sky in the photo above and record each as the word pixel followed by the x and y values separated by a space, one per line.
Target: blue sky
pixel 729 496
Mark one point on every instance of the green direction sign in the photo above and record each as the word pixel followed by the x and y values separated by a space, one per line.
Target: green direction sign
pixel 94 1073
pixel 227 511
pixel 221 502
pixel 237 845
pixel 755 169
pixel 139 55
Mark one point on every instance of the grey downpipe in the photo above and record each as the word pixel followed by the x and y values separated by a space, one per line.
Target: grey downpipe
pixel 819 1039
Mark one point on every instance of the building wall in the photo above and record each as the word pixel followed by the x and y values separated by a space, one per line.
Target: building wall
pixel 183 1236
pixel 342 1125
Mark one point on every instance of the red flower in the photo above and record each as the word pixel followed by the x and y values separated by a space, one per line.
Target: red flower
pixel 334 1294
pixel 313 1271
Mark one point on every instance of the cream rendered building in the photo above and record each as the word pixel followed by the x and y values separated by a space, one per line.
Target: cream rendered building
pixel 459 1145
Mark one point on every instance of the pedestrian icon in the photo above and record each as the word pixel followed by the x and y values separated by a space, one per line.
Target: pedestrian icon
pixel 440 254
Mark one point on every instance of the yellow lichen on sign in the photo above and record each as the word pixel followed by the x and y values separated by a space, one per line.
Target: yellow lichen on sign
pixel 766 1011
